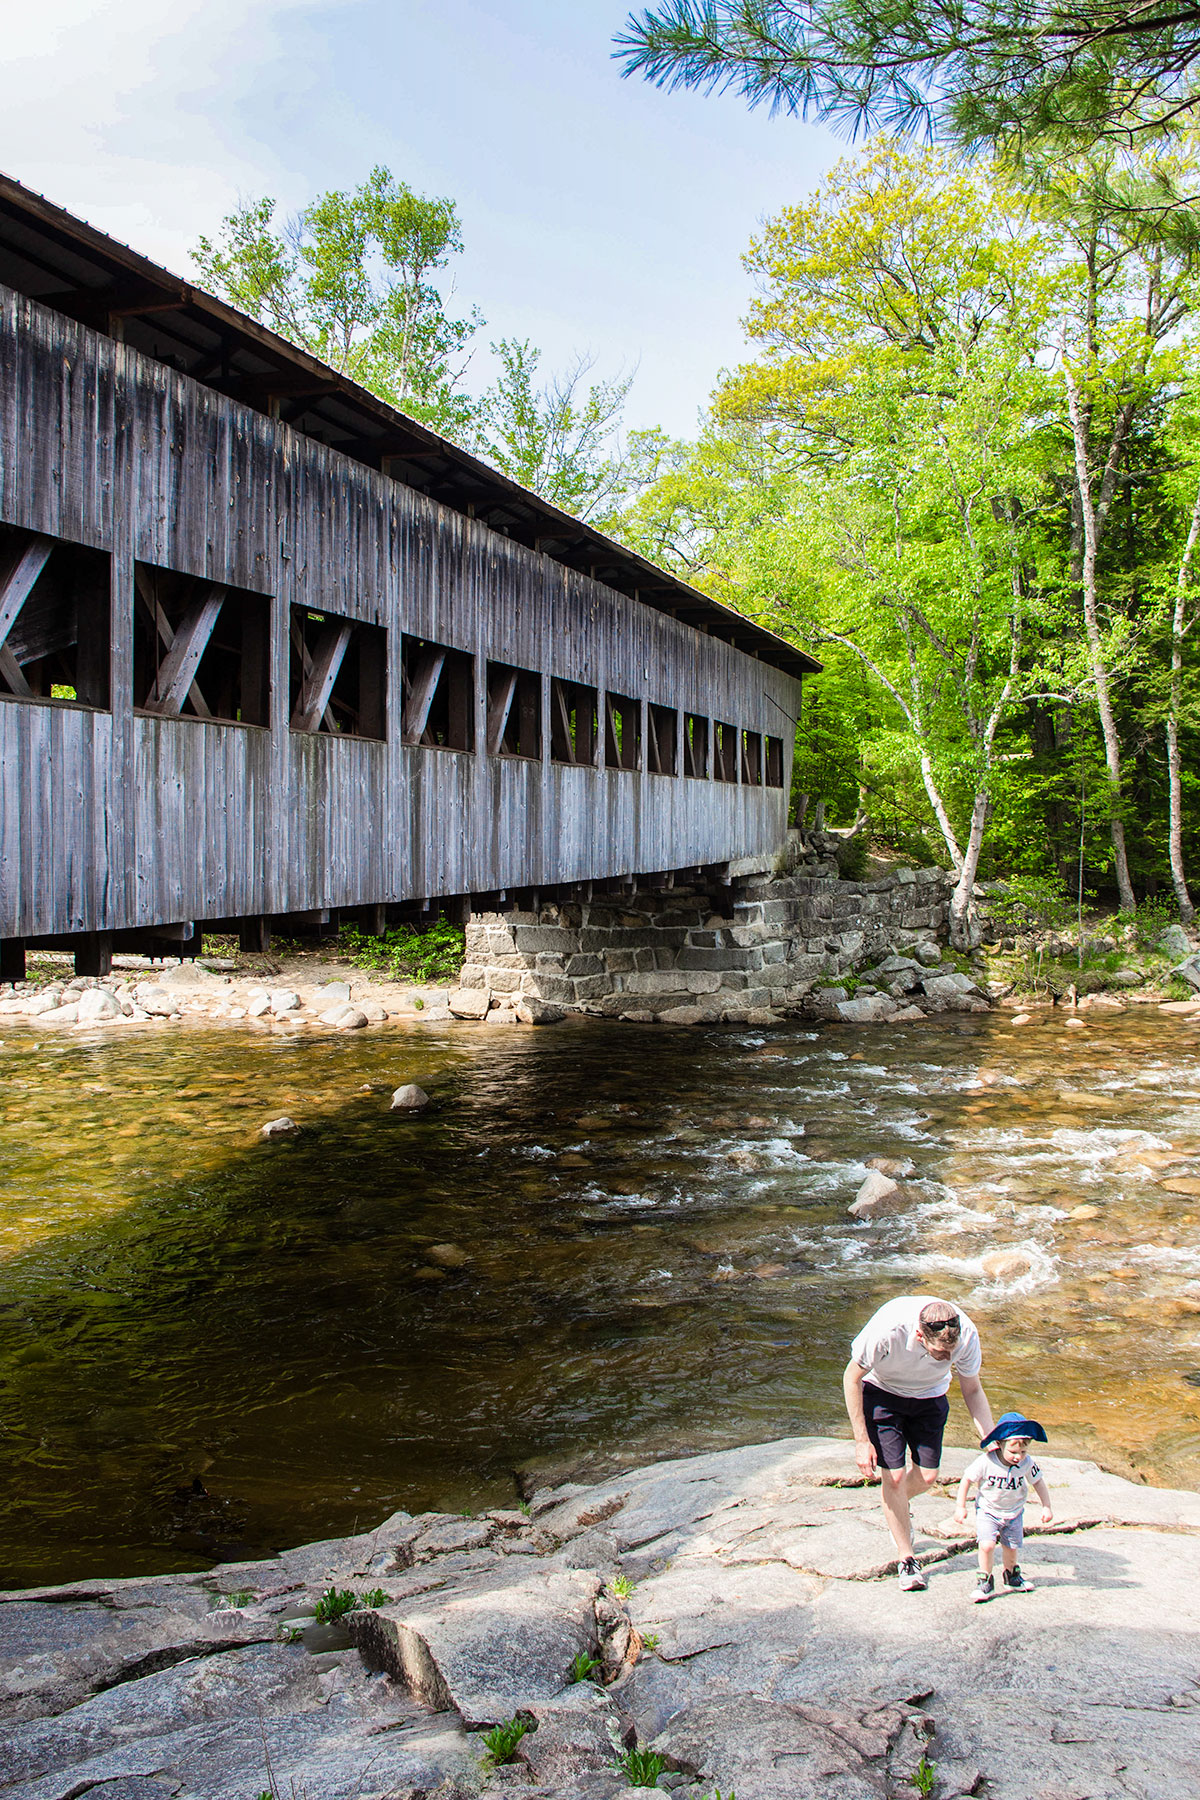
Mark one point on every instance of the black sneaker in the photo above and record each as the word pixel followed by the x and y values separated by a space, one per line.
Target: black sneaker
pixel 985 1587
pixel 1014 1579
pixel 911 1576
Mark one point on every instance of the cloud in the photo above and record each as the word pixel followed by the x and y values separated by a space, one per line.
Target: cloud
pixel 143 118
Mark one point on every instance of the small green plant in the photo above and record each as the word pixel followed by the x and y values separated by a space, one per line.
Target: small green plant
pixel 650 1640
pixel 641 1768
pixel 290 1634
pixel 621 1586
pixel 231 1602
pixel 583 1667
pixel 523 1506
pixel 501 1741
pixel 405 954
pixel 924 1775
pixel 374 1597
pixel 334 1605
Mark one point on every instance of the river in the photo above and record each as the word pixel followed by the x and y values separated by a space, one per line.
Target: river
pixel 602 1243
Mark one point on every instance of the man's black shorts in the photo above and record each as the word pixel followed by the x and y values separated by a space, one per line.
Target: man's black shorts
pixel 896 1424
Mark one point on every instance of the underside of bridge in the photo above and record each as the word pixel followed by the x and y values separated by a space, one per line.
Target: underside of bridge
pixel 272 654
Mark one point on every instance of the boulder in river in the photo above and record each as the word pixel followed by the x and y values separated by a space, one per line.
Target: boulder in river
pixel 279 1128
pixel 98 1005
pixel 410 1098
pixel 448 1256
pixel 1006 1265
pixel 469 1003
pixel 283 1000
pixel 877 1194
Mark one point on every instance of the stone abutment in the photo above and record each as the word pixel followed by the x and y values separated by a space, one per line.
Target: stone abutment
pixel 768 949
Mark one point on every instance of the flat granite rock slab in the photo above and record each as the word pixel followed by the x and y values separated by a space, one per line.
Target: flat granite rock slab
pixel 771 1750
pixel 312 1756
pixel 262 1680
pixel 489 1646
pixel 54 1655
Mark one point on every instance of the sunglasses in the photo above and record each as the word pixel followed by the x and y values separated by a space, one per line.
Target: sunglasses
pixel 936 1327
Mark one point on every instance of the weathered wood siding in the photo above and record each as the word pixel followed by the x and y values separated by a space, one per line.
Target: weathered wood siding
pixel 112 819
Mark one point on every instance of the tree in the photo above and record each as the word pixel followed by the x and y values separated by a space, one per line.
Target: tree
pixel 561 440
pixel 1056 72
pixel 351 280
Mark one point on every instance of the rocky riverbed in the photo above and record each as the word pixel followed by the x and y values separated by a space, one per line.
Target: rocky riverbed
pixel 742 1615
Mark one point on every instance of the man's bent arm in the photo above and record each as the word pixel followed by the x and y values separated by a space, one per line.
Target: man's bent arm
pixel 977 1404
pixel 852 1386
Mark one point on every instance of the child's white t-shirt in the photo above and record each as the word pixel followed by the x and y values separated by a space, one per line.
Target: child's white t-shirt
pixel 1003 1486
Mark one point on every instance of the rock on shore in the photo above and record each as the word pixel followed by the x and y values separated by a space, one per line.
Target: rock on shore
pixel 764 1647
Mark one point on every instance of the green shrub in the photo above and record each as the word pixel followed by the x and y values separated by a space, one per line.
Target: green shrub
pixel 852 857
pixel 1151 919
pixel 501 1741
pixel 334 1605
pixel 1032 903
pixel 406 954
pixel 641 1768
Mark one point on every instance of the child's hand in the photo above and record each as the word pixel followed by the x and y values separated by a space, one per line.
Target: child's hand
pixel 1047 1515
pixel 960 1516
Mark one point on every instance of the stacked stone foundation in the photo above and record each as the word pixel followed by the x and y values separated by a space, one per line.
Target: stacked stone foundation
pixel 670 954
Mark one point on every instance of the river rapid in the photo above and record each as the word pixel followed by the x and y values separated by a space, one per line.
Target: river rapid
pixel 602 1244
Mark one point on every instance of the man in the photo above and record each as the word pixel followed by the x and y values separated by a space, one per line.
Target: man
pixel 895 1385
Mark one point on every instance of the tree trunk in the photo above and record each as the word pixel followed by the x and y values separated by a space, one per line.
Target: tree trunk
pixel 1108 723
pixel 939 809
pixel 1187 911
pixel 964 924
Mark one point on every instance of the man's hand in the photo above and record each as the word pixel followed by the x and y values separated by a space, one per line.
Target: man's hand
pixel 864 1456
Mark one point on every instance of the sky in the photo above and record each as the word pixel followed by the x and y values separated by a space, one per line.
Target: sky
pixel 600 215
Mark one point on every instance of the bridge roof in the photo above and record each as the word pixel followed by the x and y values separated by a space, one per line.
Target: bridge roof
pixel 59 260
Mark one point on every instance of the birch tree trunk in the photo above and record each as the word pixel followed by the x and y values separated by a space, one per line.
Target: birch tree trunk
pixel 1108 724
pixel 1187 911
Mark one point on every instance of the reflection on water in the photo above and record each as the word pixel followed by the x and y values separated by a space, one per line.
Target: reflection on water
pixel 602 1243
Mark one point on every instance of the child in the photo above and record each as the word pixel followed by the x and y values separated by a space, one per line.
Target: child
pixel 1005 1473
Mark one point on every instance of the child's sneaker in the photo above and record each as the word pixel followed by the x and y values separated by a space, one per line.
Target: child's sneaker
pixel 1014 1579
pixel 985 1587
pixel 911 1577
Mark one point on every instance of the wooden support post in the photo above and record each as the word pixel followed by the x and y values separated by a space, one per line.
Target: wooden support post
pixel 374 920
pixel 317 686
pixel 14 674
pixel 558 701
pixel 148 599
pixel 93 953
pixel 499 707
pixel 420 696
pixel 17 580
pixel 254 935
pixel 12 959
pixel 178 669
pixel 191 947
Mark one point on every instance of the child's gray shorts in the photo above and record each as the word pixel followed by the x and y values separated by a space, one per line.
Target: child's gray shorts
pixel 991 1530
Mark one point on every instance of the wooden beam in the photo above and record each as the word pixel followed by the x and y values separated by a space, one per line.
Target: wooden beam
pixel 144 588
pixel 178 670
pixel 499 707
pixel 13 673
pixel 93 953
pixel 317 687
pixel 16 583
pixel 420 695
pixel 564 718
pixel 306 664
pixel 12 960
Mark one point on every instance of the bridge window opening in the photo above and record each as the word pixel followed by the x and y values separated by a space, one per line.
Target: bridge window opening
pixel 337 682
pixel 774 763
pixel 514 714
pixel 695 746
pixel 439 696
pixel 752 773
pixel 623 732
pixel 55 613
pixel 724 752
pixel 661 747
pixel 574 722
pixel 201 650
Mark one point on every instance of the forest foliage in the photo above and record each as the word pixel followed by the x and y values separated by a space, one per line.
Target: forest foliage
pixel 961 465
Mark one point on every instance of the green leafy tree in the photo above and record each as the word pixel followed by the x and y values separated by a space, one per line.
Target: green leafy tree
pixel 352 280
pixel 560 438
pixel 1049 72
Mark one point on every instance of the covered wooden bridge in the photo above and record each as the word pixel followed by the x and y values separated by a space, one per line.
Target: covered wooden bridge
pixel 272 652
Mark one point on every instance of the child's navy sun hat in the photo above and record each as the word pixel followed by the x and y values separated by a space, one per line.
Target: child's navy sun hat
pixel 1013 1425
